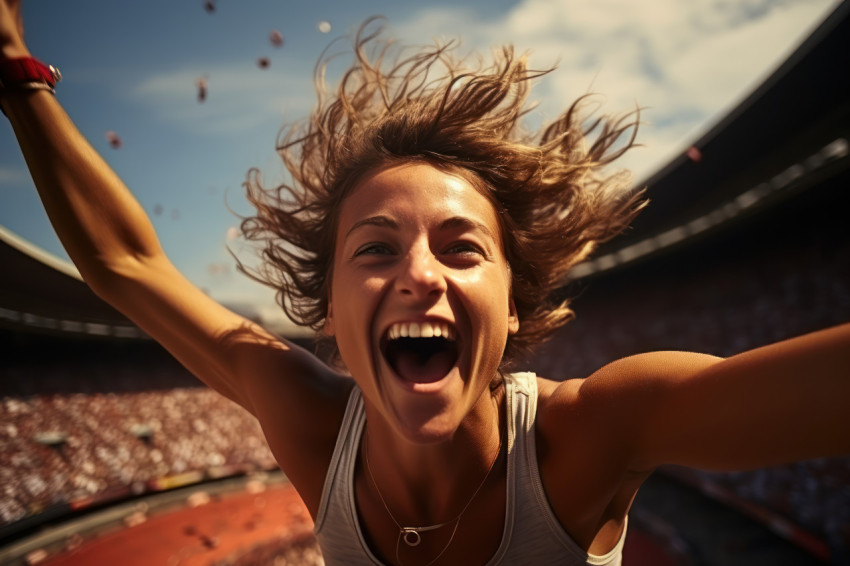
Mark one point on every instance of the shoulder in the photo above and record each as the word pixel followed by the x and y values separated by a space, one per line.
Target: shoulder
pixel 586 435
pixel 300 407
pixel 621 380
pixel 603 408
pixel 607 416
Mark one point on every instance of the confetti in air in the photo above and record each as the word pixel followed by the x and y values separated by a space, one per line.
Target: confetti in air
pixel 263 62
pixel 276 38
pixel 201 83
pixel 158 209
pixel 114 140
pixel 209 6
pixel 215 269
pixel 694 154
pixel 324 26
pixel 232 233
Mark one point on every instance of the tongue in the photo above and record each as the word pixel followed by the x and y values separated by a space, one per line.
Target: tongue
pixel 413 367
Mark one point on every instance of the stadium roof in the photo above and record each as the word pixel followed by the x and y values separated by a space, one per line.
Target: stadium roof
pixel 790 133
pixel 39 291
pixel 42 293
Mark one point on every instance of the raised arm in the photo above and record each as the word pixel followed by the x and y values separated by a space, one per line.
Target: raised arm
pixel 776 404
pixel 112 242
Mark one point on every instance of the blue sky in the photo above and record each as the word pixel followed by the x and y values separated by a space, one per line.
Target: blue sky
pixel 132 67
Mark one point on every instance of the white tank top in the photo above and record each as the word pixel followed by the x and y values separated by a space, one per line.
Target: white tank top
pixel 532 533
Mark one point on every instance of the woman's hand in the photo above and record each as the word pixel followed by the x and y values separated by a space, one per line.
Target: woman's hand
pixel 12 30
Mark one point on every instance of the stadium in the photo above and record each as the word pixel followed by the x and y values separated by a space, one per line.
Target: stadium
pixel 110 452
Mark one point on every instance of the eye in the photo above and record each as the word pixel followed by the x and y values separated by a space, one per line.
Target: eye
pixel 373 248
pixel 464 254
pixel 463 248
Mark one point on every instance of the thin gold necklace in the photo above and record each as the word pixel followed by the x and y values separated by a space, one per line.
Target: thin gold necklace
pixel 410 535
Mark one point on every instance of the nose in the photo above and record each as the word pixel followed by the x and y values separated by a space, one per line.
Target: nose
pixel 421 275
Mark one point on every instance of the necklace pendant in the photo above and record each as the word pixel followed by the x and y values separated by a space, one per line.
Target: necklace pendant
pixel 411 536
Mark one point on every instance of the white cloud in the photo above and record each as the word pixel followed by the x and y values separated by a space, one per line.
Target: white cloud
pixel 688 62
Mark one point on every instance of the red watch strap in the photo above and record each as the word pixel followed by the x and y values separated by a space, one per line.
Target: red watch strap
pixel 21 70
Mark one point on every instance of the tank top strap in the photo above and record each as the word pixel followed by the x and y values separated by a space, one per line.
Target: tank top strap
pixel 536 535
pixel 344 455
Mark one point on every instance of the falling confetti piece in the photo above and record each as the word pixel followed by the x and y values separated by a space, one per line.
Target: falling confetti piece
pixel 114 140
pixel 232 233
pixel 216 269
pixel 209 6
pixel 263 62
pixel 201 83
pixel 276 38
pixel 324 26
pixel 158 209
pixel 694 154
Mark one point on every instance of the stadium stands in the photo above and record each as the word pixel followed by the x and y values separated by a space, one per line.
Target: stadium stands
pixel 79 448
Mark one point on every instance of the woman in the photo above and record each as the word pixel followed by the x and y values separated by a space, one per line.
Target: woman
pixel 422 234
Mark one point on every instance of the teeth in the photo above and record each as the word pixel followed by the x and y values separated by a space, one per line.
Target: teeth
pixel 420 330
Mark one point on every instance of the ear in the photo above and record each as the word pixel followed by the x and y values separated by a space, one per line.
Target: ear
pixel 328 326
pixel 513 319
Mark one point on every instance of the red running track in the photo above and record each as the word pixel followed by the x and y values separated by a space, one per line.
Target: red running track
pixel 220 529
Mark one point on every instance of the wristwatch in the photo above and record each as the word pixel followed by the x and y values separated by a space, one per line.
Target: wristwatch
pixel 27 73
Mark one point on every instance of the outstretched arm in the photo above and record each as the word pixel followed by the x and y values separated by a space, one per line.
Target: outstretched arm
pixel 111 240
pixel 772 405
pixel 768 406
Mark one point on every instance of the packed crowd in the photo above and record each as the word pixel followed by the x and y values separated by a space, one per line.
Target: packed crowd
pixel 62 449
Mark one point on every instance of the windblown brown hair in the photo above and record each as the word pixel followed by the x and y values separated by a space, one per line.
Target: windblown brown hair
pixel 555 200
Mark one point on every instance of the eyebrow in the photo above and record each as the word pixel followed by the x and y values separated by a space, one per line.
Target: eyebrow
pixel 468 224
pixel 381 221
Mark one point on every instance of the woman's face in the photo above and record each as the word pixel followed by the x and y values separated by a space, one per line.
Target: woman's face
pixel 420 296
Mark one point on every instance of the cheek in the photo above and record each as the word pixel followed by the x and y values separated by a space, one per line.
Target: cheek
pixel 355 309
pixel 486 298
pixel 355 302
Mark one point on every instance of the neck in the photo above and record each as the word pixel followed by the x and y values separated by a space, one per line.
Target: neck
pixel 427 484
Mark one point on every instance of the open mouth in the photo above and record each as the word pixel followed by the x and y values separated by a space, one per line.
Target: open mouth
pixel 420 352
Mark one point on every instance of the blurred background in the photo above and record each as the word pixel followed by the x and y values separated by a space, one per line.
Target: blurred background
pixel 745 160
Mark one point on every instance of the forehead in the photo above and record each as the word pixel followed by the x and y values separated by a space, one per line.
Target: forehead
pixel 416 194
